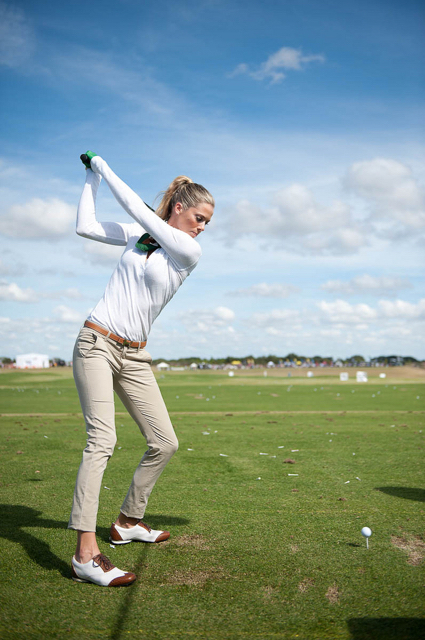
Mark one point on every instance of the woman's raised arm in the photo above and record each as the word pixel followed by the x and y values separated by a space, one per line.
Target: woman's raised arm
pixel 181 248
pixel 87 225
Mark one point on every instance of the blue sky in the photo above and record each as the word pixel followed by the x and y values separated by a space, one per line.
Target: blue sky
pixel 303 118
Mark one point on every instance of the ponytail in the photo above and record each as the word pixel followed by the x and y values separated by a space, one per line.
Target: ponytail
pixel 184 190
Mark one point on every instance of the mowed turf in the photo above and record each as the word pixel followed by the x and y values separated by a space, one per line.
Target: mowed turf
pixel 254 552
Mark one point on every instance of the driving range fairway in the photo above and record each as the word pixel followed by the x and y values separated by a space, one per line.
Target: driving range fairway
pixel 265 500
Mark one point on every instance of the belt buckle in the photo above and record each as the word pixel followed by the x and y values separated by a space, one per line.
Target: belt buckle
pixel 126 343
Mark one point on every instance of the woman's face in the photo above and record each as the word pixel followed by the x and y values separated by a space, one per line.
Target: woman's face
pixel 192 220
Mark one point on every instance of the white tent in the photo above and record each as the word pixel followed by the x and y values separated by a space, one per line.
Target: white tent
pixel 32 361
pixel 361 376
pixel 163 366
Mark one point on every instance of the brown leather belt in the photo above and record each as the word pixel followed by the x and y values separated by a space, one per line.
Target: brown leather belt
pixel 109 334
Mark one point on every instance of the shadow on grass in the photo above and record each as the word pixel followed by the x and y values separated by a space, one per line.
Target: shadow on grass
pixel 16 519
pixel 14 522
pixel 386 628
pixel 408 493
pixel 159 521
pixel 131 592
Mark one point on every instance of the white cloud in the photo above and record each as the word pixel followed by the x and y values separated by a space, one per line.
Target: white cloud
pixel 208 321
pixel 297 222
pixel 223 314
pixel 342 312
pixel 285 59
pixel 397 331
pixel 365 284
pixel 67 315
pixel 402 309
pixel 265 290
pixel 16 36
pixel 71 292
pixel 44 219
pixel 276 318
pixel 12 292
pixel 84 65
pixel 391 208
pixel 331 333
pixel 392 191
pixel 12 269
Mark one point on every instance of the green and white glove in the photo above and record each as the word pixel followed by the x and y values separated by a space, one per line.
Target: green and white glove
pixel 86 157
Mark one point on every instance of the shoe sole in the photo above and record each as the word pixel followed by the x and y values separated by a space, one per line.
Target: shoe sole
pixel 100 585
pixel 79 579
pixel 114 542
pixel 121 581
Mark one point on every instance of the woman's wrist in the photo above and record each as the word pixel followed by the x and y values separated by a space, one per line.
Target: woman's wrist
pixel 92 178
pixel 96 164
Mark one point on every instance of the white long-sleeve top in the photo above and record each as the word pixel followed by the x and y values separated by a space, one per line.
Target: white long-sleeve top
pixel 139 287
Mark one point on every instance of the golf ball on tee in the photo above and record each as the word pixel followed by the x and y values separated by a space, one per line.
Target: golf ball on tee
pixel 366 532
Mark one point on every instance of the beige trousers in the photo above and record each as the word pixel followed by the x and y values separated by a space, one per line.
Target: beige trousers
pixel 100 367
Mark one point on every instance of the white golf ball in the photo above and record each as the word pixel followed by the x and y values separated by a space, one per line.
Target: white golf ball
pixel 366 532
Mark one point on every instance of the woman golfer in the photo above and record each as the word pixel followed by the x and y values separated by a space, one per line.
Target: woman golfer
pixel 109 354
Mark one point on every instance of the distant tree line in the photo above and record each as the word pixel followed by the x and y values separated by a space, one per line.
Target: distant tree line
pixel 294 359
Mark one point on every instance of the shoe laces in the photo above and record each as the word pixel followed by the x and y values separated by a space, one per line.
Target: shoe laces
pixel 103 562
pixel 145 525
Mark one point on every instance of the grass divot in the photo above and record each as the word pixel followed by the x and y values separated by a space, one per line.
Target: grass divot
pixel 414 546
pixel 192 578
pixel 195 541
pixel 332 594
pixel 305 585
pixel 269 592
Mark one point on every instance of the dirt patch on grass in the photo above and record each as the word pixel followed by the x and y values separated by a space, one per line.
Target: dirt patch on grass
pixel 193 578
pixel 195 540
pixel 414 546
pixel 305 584
pixel 294 548
pixel 332 594
pixel 269 592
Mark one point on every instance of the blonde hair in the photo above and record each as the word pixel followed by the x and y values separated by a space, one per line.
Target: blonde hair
pixel 184 190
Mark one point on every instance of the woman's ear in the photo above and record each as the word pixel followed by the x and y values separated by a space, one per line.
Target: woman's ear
pixel 178 207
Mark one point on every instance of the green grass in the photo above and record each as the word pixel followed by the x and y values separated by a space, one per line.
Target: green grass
pixel 254 552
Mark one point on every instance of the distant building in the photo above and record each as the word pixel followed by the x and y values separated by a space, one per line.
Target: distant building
pixel 32 361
